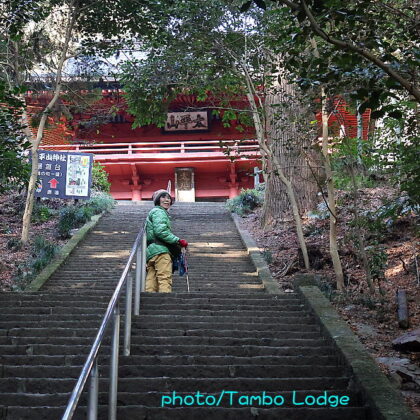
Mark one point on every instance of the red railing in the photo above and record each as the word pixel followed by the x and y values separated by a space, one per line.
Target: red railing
pixel 150 149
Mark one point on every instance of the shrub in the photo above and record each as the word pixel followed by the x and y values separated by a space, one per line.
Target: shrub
pixel 353 157
pixel 14 244
pixel 100 180
pixel 245 202
pixel 393 209
pixel 321 212
pixel 41 214
pixel 72 217
pixel 44 251
pixel 344 182
pixel 378 260
pixel 268 256
pixel 100 202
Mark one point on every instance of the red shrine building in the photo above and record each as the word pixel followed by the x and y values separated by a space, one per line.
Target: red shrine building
pixel 189 152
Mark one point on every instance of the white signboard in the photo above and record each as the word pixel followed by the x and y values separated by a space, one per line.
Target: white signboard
pixel 77 179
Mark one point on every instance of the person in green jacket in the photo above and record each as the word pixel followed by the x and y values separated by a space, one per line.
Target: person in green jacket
pixel 160 240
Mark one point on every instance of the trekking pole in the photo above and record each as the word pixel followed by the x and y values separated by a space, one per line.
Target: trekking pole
pixel 186 268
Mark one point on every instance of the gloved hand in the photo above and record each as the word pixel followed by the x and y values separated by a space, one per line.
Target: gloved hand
pixel 183 243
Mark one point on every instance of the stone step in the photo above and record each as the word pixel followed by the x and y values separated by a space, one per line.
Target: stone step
pixel 171 340
pixel 76 303
pixel 188 360
pixel 232 297
pixel 275 309
pixel 284 326
pixel 52 311
pixel 97 315
pixel 181 371
pixel 226 334
pixel 199 312
pixel 135 412
pixel 172 297
pixel 245 318
pixel 245 350
pixel 50 385
pixel 91 332
pixel 172 349
pixel 194 299
pixel 154 399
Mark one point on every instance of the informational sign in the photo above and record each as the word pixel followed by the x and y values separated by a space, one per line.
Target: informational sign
pixel 64 174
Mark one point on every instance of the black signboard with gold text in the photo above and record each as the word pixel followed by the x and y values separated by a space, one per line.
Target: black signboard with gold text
pixel 64 174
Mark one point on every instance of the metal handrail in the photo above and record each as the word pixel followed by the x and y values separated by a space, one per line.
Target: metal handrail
pixel 90 367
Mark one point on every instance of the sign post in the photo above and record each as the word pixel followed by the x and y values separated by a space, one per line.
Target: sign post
pixel 64 174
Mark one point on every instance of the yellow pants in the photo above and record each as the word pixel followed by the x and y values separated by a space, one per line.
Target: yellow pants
pixel 159 274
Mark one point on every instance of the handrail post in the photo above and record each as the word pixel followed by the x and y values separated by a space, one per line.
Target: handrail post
pixel 137 289
pixel 93 392
pixel 128 308
pixel 113 374
pixel 112 315
pixel 143 260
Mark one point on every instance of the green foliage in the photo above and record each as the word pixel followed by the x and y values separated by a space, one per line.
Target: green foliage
pixel 207 67
pixel 344 182
pixel 398 148
pixel 386 34
pixel 41 214
pixel 321 213
pixel 354 161
pixel 14 244
pixel 312 229
pixel 375 227
pixel 100 202
pixel 73 217
pixel 100 180
pixel 391 210
pixel 245 202
pixel 14 170
pixel 268 256
pixel 378 259
pixel 43 251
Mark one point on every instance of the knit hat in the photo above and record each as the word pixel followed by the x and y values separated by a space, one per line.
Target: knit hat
pixel 159 193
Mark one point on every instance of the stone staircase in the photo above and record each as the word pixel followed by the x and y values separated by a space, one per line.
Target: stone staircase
pixel 97 264
pixel 226 335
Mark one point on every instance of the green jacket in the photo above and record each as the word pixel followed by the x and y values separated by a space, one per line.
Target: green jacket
pixel 158 227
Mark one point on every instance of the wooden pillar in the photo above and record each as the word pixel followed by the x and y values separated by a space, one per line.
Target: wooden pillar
pixel 136 186
pixel 136 189
pixel 233 183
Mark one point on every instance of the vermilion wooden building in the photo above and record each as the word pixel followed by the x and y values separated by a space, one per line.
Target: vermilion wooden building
pixel 187 151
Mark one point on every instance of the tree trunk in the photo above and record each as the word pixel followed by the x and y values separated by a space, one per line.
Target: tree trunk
pixel 338 269
pixel 275 164
pixel 359 232
pixel 290 137
pixel 37 141
pixel 295 210
pixel 402 305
